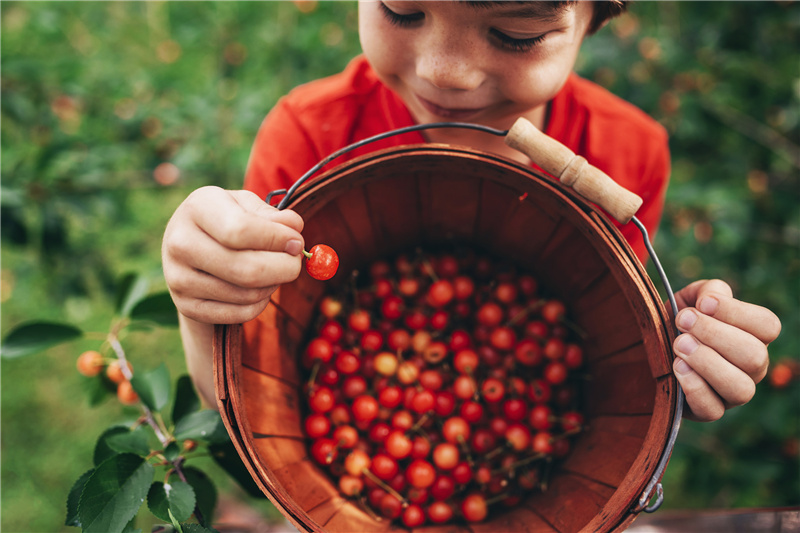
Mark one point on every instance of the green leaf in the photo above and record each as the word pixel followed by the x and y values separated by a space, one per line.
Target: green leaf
pixel 186 400
pixel 226 456
pixel 35 337
pixel 153 387
pixel 157 308
pixel 102 449
pixel 172 451
pixel 176 497
pixel 136 441
pixel 133 288
pixel 98 389
pixel 74 497
pixel 205 425
pixel 114 493
pixel 205 491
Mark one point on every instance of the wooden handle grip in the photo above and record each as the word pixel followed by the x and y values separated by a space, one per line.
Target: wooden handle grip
pixel 573 170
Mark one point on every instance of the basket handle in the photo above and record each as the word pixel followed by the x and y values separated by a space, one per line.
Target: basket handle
pixel 573 170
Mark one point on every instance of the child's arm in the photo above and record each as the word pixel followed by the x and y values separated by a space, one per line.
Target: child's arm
pixel 722 351
pixel 223 254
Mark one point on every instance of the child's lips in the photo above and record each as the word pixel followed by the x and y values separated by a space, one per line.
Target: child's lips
pixel 448 113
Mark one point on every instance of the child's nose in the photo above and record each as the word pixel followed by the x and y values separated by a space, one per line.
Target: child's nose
pixel 449 68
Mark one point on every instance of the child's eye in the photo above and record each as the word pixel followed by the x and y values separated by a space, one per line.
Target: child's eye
pixel 516 45
pixel 400 20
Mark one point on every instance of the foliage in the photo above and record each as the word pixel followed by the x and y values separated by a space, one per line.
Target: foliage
pixel 113 112
pixel 108 496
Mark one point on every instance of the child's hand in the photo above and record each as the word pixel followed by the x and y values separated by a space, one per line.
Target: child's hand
pixel 224 253
pixel 722 351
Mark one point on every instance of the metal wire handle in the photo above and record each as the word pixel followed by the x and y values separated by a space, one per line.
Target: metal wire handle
pixel 655 480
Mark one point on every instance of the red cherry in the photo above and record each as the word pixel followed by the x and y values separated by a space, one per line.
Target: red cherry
pixel 528 352
pixel 542 442
pixel 384 467
pixel 345 436
pixel 440 293
pixel 471 411
pixel 554 348
pixel 347 362
pixel 443 488
pixel 413 516
pixel 397 444
pixel 365 408
pixel 540 417
pixel 463 287
pixel 505 292
pixel 420 447
pixel 483 441
pixel 390 397
pixel 466 361
pixel 331 330
pixel 474 508
pixel 324 451
pixel 420 473
pixel 390 506
pixel 556 372
pixel 371 340
pixel 359 320
pixel 490 314
pixel 515 409
pixel 553 311
pixel 573 356
pixel 439 512
pixel 446 455
pixel 493 390
pixel 518 436
pixel 320 349
pixel 462 473
pixel 455 429
pixel 321 262
pixel 398 339
pixel 317 425
pixel 503 338
pixel 321 399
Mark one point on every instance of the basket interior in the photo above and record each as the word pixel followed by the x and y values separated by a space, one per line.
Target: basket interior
pixel 397 199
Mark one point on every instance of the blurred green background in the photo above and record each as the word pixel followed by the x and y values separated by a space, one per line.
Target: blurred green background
pixel 112 112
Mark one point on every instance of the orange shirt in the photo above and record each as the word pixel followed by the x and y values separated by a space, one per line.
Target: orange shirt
pixel 318 118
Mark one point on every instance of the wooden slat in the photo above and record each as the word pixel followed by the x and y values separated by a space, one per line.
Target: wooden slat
pixel 306 484
pixel 569 503
pixel 624 387
pixel 603 456
pixel 273 407
pixel 339 514
pixel 268 352
pixel 517 519
pixel 278 452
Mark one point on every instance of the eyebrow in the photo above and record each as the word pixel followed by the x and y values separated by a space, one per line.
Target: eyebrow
pixel 546 11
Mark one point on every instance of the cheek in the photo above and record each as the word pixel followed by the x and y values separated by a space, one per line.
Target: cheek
pixel 536 85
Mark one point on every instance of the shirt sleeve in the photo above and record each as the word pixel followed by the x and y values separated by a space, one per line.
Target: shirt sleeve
pixel 655 180
pixel 282 152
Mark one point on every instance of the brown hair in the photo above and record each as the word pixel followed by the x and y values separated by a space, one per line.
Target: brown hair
pixel 605 11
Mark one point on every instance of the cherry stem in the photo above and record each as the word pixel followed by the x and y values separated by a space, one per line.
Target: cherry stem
pixel 308 255
pixel 500 497
pixel 378 481
pixel 429 269
pixel 314 370
pixel 568 433
pixel 497 450
pixel 521 462
pixel 419 423
pixel 368 509
pixel 574 327
pixel 525 312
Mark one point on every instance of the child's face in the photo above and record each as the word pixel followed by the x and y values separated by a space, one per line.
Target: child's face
pixel 483 62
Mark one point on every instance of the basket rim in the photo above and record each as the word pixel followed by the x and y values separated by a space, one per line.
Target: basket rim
pixel 227 338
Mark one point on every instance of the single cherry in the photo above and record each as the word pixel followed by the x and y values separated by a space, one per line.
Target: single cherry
pixel 321 262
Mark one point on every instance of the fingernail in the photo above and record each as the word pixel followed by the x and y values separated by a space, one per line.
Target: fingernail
pixel 686 319
pixel 294 247
pixel 686 344
pixel 682 367
pixel 708 305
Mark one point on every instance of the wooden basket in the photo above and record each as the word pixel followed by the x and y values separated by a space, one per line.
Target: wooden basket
pixel 392 200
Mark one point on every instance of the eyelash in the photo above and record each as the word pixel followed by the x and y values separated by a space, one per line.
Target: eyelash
pixel 503 41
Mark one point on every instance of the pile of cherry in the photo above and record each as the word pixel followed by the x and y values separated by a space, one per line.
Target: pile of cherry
pixel 439 385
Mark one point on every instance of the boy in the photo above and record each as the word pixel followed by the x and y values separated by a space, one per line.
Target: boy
pixel 225 252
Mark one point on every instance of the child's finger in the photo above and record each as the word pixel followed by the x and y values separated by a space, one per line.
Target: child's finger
pixel 757 320
pixel 730 382
pixel 265 228
pixel 704 404
pixel 734 344
pixel 195 284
